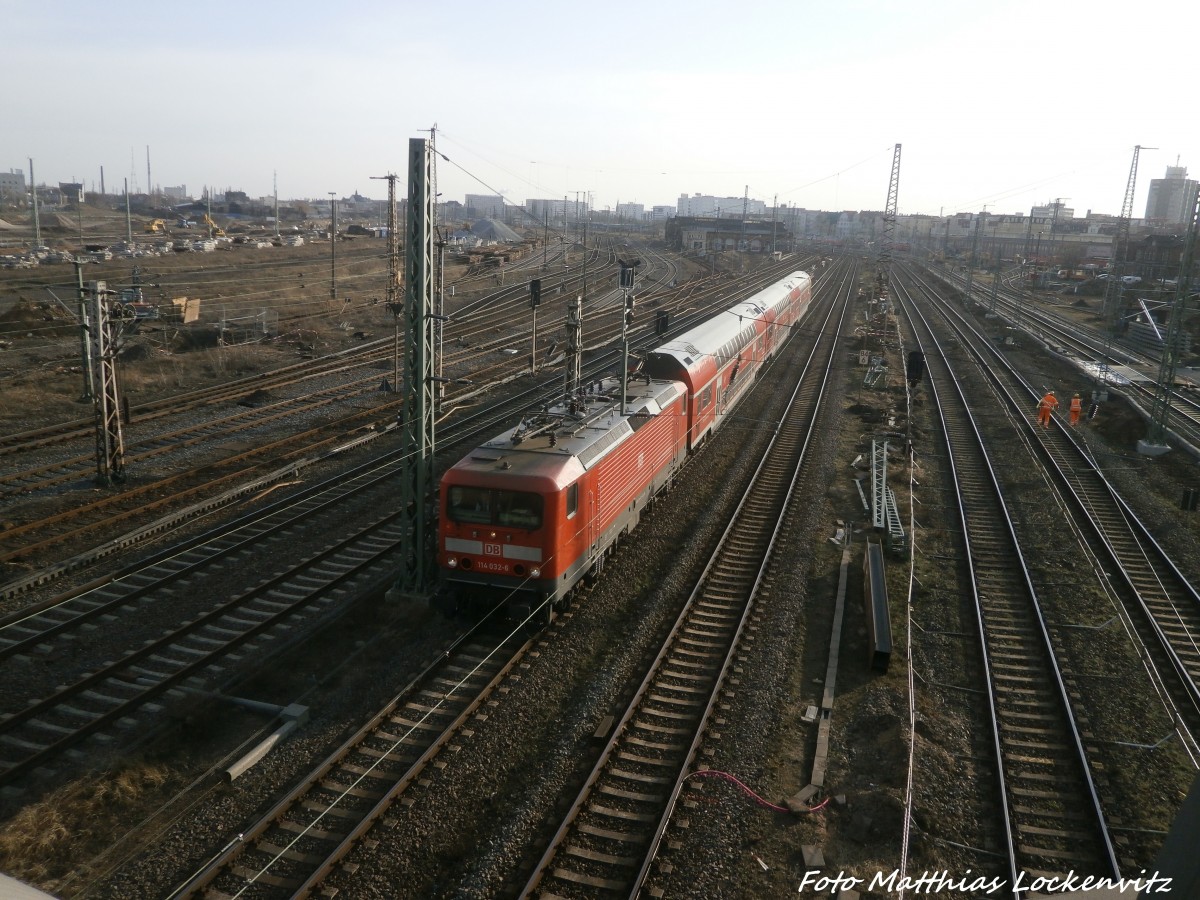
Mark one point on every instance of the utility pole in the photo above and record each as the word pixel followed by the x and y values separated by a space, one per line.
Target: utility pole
pixel 37 223
pixel 275 179
pixel 974 253
pixel 1053 223
pixel 332 249
pixel 85 339
pixel 439 314
pixel 110 445
pixel 417 415
pixel 102 181
pixel 128 217
pixel 149 181
pixel 1028 236
pixel 628 273
pixel 393 283
pixel 995 284
pixel 745 213
pixel 1112 310
pixel 1160 411
pixel 574 366
pixel 889 220
pixel 774 213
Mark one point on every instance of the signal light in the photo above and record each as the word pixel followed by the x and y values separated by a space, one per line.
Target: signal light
pixel 535 292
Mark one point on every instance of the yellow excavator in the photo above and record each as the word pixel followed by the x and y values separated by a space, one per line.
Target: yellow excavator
pixel 217 230
pixel 157 226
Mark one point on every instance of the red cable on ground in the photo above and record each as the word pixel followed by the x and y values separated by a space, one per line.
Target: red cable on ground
pixel 713 773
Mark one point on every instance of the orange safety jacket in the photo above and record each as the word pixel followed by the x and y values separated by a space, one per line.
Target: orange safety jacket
pixel 1049 402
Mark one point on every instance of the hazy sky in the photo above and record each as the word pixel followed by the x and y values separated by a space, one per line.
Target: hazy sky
pixel 1005 103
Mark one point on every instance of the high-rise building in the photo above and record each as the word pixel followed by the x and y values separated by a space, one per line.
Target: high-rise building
pixel 487 205
pixel 1173 198
pixel 12 187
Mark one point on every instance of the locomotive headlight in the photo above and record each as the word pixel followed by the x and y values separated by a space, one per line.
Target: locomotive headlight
pixel 535 572
pixel 452 562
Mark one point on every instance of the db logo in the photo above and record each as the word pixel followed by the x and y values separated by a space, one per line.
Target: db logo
pixel 491 549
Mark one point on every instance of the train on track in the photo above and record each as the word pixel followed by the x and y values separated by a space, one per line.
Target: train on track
pixel 529 513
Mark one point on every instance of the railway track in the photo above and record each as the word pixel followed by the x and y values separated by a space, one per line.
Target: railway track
pixel 304 841
pixel 1099 355
pixel 1043 729
pixel 310 831
pixel 609 836
pixel 1053 819
pixel 43 632
pixel 204 654
pixel 1159 600
pixel 34 543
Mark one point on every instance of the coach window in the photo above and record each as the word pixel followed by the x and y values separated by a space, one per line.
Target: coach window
pixel 520 509
pixel 469 504
pixel 572 500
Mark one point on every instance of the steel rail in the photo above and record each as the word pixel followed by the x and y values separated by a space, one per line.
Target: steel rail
pixel 1024 682
pixel 657 735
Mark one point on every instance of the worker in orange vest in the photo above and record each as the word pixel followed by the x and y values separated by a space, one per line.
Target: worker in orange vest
pixel 1076 410
pixel 1048 405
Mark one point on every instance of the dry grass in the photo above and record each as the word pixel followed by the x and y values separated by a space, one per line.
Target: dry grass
pixel 42 843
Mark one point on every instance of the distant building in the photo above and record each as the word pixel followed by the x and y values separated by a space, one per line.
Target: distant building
pixel 178 194
pixel 632 212
pixel 659 213
pixel 710 234
pixel 541 210
pixel 12 186
pixel 699 205
pixel 72 191
pixel 1173 198
pixel 1064 212
pixel 485 206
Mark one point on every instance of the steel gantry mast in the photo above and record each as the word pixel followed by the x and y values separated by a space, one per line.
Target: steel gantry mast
pixel 974 254
pixel 417 411
pixel 889 220
pixel 110 444
pixel 394 306
pixel 1161 409
pixel 1112 289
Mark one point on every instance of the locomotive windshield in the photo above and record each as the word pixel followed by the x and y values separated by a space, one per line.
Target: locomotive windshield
pixel 486 506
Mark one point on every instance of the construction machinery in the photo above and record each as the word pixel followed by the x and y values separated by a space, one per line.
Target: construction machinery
pixel 214 229
pixel 157 226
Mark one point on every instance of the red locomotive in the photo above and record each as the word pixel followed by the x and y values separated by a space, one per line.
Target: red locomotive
pixel 527 514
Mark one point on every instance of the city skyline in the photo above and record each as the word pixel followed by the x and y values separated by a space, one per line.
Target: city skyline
pixel 1003 108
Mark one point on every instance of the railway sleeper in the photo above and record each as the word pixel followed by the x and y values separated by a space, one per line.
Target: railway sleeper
pixel 311 831
pixel 596 856
pixel 256 876
pixel 289 853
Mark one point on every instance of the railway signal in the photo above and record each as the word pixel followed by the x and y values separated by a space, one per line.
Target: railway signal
pixel 626 283
pixel 535 300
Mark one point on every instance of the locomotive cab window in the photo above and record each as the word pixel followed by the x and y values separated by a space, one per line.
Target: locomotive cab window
pixel 482 506
pixel 572 500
